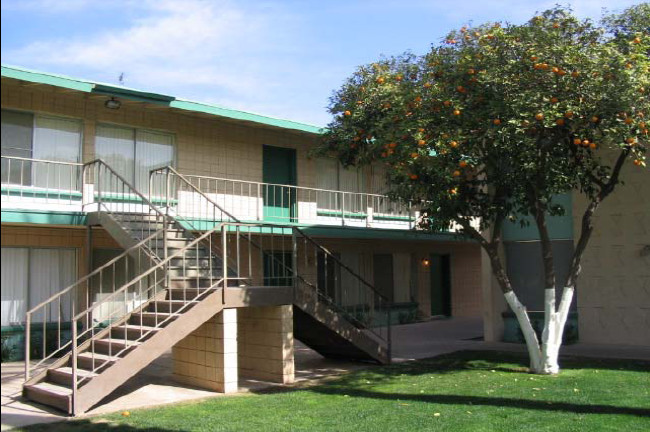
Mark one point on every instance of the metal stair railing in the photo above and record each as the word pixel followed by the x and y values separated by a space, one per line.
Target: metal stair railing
pixel 353 297
pixel 149 284
pixel 49 316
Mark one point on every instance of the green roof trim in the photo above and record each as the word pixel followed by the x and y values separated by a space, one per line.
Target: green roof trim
pixel 86 86
pixel 245 116
pixel 49 79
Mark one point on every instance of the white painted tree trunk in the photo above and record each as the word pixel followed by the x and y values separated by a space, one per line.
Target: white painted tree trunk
pixel 544 358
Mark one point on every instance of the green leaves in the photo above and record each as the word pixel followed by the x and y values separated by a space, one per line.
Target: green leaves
pixel 500 115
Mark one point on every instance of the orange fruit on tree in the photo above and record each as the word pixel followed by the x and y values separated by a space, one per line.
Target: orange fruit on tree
pixel 577 141
pixel 446 103
pixel 414 155
pixel 453 144
pixel 392 145
pixel 456 112
pixel 453 191
pixel 380 80
pixel 554 100
pixel 539 116
pixel 413 176
pixel 637 162
pixel 594 119
pixel 575 74
pixel 422 143
pixel 462 164
pixel 585 143
pixel 637 40
pixel 496 122
pixel 593 146
pixel 347 113
pixel 559 122
pixel 631 141
pixel 568 114
pixel 456 173
pixel 628 121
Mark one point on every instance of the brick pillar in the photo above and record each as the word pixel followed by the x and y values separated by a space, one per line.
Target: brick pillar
pixel 266 343
pixel 207 357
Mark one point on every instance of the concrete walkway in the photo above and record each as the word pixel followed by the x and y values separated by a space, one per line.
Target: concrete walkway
pixel 154 385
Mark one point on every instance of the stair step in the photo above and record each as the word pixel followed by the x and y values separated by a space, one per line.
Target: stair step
pixel 133 331
pixel 50 394
pixel 191 282
pixel 63 375
pixel 89 361
pixel 185 294
pixel 113 346
pixel 167 305
pixel 151 318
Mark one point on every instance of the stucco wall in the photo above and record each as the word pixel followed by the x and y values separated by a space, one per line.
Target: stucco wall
pixel 614 286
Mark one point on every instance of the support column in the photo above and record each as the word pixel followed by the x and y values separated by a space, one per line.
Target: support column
pixel 266 343
pixel 207 357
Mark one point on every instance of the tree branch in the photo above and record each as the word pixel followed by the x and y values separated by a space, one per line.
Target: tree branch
pixel 587 225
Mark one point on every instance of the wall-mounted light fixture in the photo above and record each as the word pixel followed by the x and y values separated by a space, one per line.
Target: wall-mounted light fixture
pixel 113 104
pixel 426 262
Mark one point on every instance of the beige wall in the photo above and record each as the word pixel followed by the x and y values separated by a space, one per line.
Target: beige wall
pixel 56 237
pixel 207 357
pixel 265 343
pixel 205 145
pixel 614 286
pixel 465 269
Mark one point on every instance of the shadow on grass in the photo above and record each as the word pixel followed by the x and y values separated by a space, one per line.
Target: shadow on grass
pixel 92 425
pixel 354 385
pixel 492 360
pixel 487 401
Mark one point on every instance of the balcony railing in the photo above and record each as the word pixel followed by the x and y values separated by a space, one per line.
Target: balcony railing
pixel 37 184
pixel 265 202
pixel 51 185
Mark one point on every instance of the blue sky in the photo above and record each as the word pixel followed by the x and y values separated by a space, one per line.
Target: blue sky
pixel 280 58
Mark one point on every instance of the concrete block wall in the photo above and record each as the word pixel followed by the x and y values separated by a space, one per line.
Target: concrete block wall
pixel 265 338
pixel 207 358
pixel 205 145
pixel 613 292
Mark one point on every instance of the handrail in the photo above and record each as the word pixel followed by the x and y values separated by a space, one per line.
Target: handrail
pixel 285 185
pixel 147 272
pixel 93 273
pixel 170 168
pixel 379 297
pixel 339 262
pixel 127 183
pixel 43 160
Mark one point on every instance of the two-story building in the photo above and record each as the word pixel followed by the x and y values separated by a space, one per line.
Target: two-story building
pixel 120 207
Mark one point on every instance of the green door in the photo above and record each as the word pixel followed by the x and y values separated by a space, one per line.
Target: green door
pixel 279 169
pixel 440 285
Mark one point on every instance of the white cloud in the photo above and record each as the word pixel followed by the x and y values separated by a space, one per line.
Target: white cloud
pixel 186 48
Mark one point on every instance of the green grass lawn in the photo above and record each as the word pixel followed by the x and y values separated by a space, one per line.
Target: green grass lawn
pixel 466 391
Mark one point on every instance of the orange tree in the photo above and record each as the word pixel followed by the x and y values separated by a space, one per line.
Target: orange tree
pixel 494 122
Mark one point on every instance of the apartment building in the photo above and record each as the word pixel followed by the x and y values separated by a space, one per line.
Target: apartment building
pixel 134 222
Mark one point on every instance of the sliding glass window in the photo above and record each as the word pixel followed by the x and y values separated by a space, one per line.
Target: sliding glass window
pixel 134 152
pixel 47 138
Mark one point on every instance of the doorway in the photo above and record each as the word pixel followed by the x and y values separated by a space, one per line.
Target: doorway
pixel 440 285
pixel 279 169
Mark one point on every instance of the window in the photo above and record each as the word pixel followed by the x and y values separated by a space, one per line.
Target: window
pixel 32 275
pixel 35 136
pixel 331 176
pixel 134 152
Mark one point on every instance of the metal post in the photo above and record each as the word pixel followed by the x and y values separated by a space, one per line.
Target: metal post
pixel 294 263
pixel 224 261
pixel 342 208
pixel 74 366
pixel 28 325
